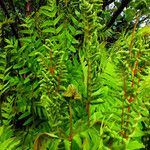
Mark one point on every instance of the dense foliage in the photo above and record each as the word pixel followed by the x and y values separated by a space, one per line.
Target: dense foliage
pixel 74 74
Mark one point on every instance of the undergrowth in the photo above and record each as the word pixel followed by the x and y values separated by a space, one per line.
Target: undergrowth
pixel 61 87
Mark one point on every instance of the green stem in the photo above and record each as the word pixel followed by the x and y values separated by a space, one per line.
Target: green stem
pixel 88 112
pixel 1 119
pixel 122 115
pixel 89 92
pixel 33 106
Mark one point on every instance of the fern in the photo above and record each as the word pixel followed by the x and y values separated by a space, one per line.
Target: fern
pixel 4 82
pixel 132 71
pixel 7 141
pixel 64 87
pixel 92 53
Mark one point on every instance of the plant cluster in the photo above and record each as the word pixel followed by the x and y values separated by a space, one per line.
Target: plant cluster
pixel 64 86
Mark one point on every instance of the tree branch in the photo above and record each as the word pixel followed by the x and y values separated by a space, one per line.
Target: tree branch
pixel 117 13
pixel 106 3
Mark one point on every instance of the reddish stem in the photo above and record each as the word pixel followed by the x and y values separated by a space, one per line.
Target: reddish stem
pixel 71 135
pixel 133 71
pixel 132 38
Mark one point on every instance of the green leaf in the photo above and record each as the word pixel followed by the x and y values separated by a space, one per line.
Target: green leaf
pixel 78 32
pixel 28 121
pixel 1 76
pixel 5 87
pixel 57 19
pixel 9 46
pixel 47 8
pixel 144 111
pixel 5 115
pixel 59 28
pixel 129 14
pixel 2 61
pixel 1 130
pixel 7 69
pixel 51 135
pixel 71 38
pixel 74 41
pixel 49 30
pixel 25 114
pixel 14 144
pixel 23 48
pixel 72 48
pixel 24 71
pixel 119 146
pixel 3 56
pixel 6 143
pixel 47 23
pixel 86 144
pixel 49 14
pixel 26 39
pixel 72 29
pixel 103 90
pixel 67 145
pixel 74 20
pixel 78 14
pixel 14 81
pixel 2 68
pixel 55 144
pixel 33 53
pixel 78 140
pixel 19 65
pixel 133 145
pixel 97 101
pixel 27 31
